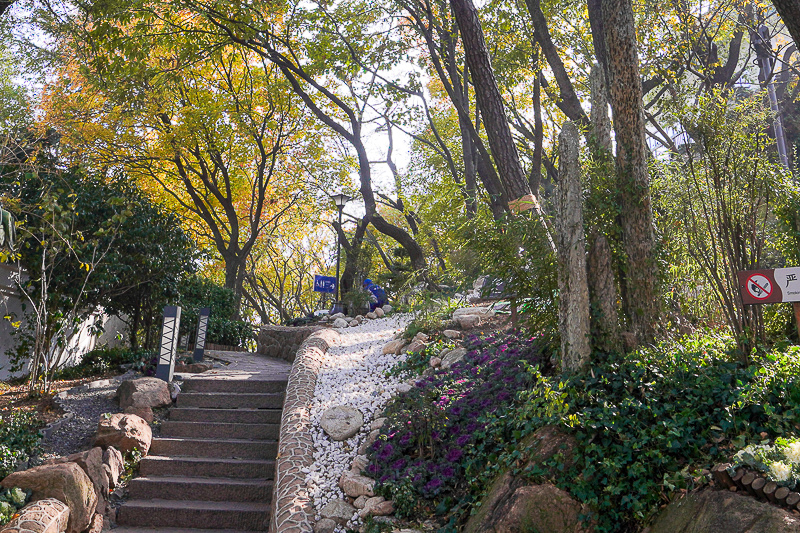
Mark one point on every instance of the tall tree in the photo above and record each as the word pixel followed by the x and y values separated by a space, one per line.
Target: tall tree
pixel 789 10
pixel 490 102
pixel 215 140
pixel 640 300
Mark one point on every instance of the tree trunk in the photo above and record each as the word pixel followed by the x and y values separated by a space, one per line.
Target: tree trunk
pixel 603 295
pixel 573 290
pixel 602 285
pixel 641 302
pixel 789 10
pixel 490 101
pixel 601 123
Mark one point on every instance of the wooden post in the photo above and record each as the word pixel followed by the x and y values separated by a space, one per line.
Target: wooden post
pixel 792 500
pixel 769 490
pixel 747 482
pixel 780 495
pixel 722 477
pixel 758 486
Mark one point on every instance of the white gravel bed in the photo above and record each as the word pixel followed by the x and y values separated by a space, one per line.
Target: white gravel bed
pixel 352 374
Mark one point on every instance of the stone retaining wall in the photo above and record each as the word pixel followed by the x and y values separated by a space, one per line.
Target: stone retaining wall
pixel 283 342
pixel 292 510
pixel 43 516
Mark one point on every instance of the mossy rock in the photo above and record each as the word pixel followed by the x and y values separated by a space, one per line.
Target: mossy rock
pixel 713 510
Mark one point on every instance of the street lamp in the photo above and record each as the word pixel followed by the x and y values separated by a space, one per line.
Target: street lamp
pixel 340 200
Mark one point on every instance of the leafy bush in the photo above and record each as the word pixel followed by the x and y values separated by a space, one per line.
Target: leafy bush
pixel 11 501
pixel 423 451
pixel 223 326
pixel 780 461
pixel 101 360
pixel 646 423
pixel 19 439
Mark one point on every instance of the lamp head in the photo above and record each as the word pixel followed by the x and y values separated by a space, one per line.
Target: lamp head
pixel 340 199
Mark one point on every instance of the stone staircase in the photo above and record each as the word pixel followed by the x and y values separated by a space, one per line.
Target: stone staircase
pixel 212 468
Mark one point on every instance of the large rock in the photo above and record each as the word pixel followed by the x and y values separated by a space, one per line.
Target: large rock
pixel 340 323
pixel 726 511
pixel 355 485
pixel 341 422
pixel 371 315
pixel 91 461
pixel 145 413
pixel 326 525
pixel 451 334
pixel 143 392
pixel 124 432
pixel 379 312
pixel 503 499
pixel 377 506
pixel 468 321
pixel 482 312
pixel 416 346
pixel 387 309
pixel 516 510
pixel 453 357
pixel 339 511
pixel 67 483
pixel 394 347
pixel 42 516
pixel 115 465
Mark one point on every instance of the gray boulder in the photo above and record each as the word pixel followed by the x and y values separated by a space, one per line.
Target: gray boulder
pixel 339 511
pixel 341 422
pixel 453 357
pixel 143 392
pixel 723 511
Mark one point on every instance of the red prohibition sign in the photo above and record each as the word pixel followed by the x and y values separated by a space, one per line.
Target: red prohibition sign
pixel 759 286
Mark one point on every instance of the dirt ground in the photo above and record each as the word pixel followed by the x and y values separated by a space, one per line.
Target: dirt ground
pixel 14 397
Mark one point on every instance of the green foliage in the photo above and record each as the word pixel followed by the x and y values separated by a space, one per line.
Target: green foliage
pixel 12 500
pixel 19 439
pixel 431 311
pixel 517 253
pixel 645 424
pixel 224 326
pixel 716 202
pixel 100 360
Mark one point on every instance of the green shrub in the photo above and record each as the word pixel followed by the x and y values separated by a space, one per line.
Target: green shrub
pixel 12 500
pixel 19 440
pixel 647 423
pixel 101 360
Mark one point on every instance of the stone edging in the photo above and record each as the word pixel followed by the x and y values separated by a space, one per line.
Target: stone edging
pixel 292 510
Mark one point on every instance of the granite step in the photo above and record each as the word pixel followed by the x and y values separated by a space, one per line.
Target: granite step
pixel 238 386
pixel 207 467
pixel 224 400
pixel 194 514
pixel 235 416
pixel 220 448
pixel 174 428
pixel 205 489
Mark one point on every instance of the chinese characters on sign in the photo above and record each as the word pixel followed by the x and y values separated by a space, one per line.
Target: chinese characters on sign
pixel 325 284
pixel 769 286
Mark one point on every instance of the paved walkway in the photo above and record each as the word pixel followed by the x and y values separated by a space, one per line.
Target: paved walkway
pixel 213 467
pixel 244 366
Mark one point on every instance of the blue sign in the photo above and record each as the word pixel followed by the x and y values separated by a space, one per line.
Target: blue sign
pixel 325 284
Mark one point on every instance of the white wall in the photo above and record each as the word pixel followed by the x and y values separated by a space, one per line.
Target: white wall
pixel 114 334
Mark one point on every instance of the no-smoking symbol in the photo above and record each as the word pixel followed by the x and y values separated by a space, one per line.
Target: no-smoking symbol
pixel 759 286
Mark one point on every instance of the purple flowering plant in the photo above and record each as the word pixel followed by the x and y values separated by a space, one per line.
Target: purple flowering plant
pixel 434 429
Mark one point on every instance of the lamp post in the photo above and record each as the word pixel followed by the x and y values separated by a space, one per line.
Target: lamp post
pixel 340 200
